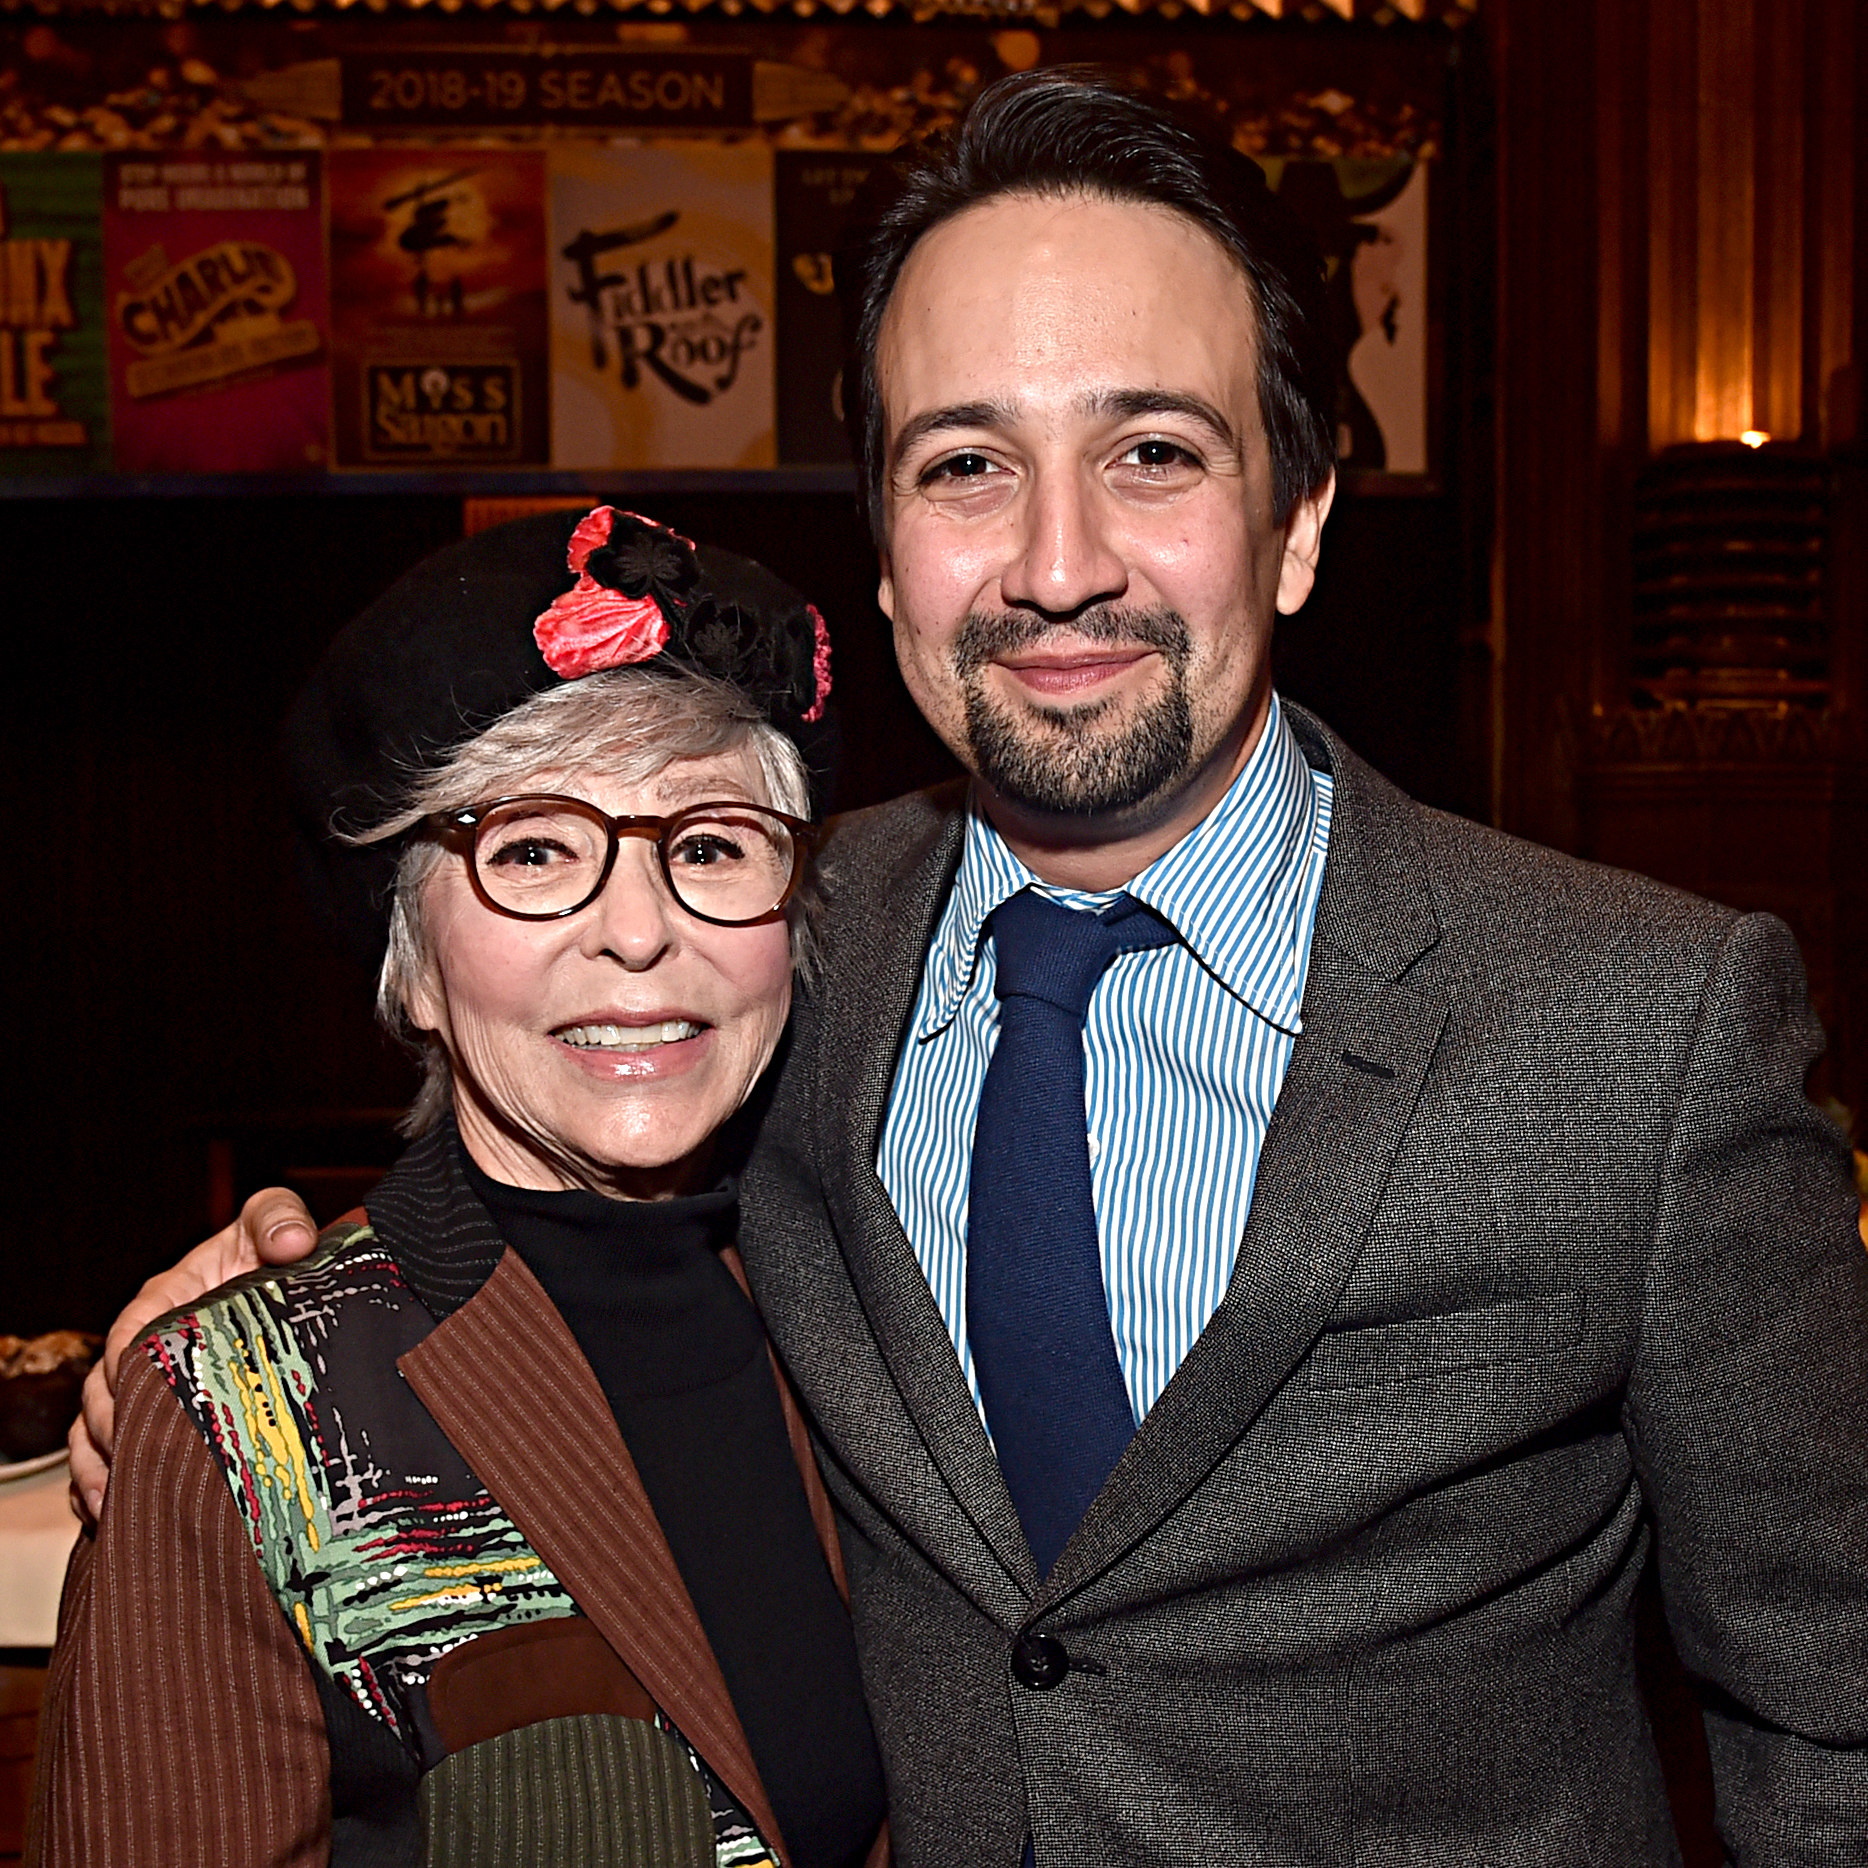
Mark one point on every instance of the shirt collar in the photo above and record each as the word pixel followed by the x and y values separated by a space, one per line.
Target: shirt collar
pixel 1232 888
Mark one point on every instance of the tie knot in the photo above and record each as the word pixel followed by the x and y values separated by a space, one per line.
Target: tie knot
pixel 1043 950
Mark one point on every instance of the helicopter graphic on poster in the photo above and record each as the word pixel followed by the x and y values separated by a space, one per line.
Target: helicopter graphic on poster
pixel 440 338
pixel 428 228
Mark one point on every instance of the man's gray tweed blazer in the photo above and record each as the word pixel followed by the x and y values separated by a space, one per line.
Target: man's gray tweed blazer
pixel 1551 1272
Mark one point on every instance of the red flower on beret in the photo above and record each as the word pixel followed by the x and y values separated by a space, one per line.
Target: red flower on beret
pixel 592 627
pixel 593 529
pixel 820 666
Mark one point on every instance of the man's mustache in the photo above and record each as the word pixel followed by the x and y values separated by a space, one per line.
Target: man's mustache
pixel 988 634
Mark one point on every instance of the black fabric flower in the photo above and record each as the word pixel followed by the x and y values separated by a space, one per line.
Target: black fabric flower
pixel 770 658
pixel 792 650
pixel 645 561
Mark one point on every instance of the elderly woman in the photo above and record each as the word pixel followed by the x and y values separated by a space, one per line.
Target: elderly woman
pixel 490 1534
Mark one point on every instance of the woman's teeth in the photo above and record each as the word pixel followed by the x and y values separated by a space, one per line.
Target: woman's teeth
pixel 628 1037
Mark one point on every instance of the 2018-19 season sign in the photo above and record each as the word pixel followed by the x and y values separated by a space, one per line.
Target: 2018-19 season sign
pixel 438 296
pixel 662 305
pixel 589 87
pixel 218 313
pixel 54 383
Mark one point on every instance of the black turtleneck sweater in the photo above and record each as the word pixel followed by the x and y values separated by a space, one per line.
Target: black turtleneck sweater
pixel 681 1356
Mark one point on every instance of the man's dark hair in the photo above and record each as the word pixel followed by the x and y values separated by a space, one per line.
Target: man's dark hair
pixel 1073 130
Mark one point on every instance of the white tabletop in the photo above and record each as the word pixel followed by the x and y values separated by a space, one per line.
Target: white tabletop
pixel 37 1531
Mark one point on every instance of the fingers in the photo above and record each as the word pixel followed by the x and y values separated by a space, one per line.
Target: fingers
pixel 206 1268
pixel 275 1228
pixel 89 1444
pixel 181 1284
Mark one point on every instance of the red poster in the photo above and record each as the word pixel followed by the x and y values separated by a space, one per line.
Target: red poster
pixel 218 314
pixel 438 296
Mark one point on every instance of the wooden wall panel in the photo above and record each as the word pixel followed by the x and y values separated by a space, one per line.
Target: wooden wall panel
pixel 1779 132
pixel 1836 257
pixel 1748 191
pixel 1681 189
pixel 1671 201
pixel 1722 134
pixel 1550 513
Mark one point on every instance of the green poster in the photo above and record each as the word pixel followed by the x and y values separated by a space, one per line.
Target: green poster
pixel 54 376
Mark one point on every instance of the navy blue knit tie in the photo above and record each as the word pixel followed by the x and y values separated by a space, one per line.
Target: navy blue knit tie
pixel 1037 1316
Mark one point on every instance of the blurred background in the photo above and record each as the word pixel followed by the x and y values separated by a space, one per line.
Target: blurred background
pixel 281 296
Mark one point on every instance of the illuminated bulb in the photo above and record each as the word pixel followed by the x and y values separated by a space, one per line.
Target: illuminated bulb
pixel 1754 437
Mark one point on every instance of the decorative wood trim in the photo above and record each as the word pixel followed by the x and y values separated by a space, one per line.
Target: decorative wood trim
pixel 1037 12
pixel 1693 738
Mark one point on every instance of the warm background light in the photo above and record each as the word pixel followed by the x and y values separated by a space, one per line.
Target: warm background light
pixel 1754 437
pixel 1736 139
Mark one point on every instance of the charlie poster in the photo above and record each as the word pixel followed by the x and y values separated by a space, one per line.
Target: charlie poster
pixel 218 313
pixel 661 306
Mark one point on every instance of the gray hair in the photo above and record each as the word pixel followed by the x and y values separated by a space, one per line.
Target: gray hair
pixel 625 725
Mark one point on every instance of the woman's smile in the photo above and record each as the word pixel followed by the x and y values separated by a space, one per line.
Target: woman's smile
pixel 627 1035
pixel 617 1049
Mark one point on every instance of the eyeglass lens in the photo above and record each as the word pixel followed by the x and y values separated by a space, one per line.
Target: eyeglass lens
pixel 544 857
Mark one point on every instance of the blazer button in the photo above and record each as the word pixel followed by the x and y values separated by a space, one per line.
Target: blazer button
pixel 1039 1661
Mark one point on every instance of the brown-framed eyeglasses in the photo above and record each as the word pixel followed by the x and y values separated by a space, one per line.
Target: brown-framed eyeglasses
pixel 540 857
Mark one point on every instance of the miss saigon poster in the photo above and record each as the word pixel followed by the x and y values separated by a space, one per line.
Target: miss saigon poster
pixel 438 297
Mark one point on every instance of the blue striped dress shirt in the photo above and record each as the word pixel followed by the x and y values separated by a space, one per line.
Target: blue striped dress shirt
pixel 1185 1051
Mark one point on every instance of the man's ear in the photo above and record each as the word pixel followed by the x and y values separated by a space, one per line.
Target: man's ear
pixel 885 588
pixel 1303 544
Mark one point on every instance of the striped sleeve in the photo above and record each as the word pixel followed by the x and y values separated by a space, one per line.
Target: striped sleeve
pixel 181 1724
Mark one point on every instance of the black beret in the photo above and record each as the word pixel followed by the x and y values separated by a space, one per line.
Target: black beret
pixel 474 631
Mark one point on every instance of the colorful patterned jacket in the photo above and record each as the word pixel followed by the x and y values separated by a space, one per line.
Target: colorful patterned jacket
pixel 504 1664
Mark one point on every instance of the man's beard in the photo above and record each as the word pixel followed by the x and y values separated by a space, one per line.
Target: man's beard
pixel 1051 759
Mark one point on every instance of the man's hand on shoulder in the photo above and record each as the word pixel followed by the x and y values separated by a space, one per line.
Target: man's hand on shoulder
pixel 274 1228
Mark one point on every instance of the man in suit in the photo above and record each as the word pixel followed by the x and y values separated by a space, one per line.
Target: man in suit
pixel 1249 1421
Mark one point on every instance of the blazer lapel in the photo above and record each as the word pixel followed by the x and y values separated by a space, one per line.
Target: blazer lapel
pixel 873 979
pixel 1355 1075
pixel 540 1436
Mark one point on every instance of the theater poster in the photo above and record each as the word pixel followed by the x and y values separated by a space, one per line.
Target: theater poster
pixel 218 315
pixel 54 384
pixel 438 307
pixel 1370 219
pixel 662 314
pixel 814 191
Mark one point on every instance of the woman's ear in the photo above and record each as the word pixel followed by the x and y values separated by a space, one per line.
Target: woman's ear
pixel 425 1002
pixel 423 1006
pixel 423 996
